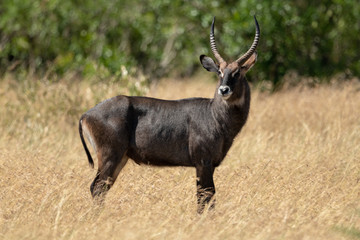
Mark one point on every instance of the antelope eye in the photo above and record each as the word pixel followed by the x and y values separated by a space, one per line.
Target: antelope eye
pixel 236 73
pixel 221 74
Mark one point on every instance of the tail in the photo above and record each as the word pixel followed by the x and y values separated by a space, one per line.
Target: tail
pixel 91 162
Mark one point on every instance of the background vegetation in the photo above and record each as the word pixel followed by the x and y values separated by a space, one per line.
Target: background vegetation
pixel 160 37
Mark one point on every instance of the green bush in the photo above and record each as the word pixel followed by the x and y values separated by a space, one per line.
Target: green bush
pixel 99 38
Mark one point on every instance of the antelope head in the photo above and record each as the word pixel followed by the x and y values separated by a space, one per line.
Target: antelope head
pixel 230 74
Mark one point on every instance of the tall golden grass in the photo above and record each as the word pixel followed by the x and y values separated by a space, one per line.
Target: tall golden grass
pixel 292 173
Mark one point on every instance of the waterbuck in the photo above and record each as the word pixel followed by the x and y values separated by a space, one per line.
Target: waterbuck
pixel 194 132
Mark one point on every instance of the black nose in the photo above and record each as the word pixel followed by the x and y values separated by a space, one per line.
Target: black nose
pixel 224 90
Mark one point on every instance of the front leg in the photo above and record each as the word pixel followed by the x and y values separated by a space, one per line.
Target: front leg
pixel 205 186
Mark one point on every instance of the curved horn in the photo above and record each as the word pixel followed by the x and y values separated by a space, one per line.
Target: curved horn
pixel 213 44
pixel 252 49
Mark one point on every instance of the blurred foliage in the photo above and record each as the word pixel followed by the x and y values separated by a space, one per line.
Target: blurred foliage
pixel 102 38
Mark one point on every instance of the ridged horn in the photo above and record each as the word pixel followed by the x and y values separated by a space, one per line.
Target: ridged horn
pixel 252 49
pixel 213 44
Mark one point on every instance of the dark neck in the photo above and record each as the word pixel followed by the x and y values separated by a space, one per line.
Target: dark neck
pixel 231 115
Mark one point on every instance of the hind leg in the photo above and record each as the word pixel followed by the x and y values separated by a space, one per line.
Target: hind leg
pixel 110 164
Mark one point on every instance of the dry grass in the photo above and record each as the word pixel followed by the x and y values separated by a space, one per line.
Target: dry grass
pixel 292 173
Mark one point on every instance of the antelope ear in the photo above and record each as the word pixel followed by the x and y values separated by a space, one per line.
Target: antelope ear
pixel 250 62
pixel 209 64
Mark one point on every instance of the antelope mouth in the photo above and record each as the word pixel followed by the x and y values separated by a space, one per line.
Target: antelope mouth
pixel 225 97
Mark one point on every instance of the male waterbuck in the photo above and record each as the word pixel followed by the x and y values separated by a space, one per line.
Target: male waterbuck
pixel 194 132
